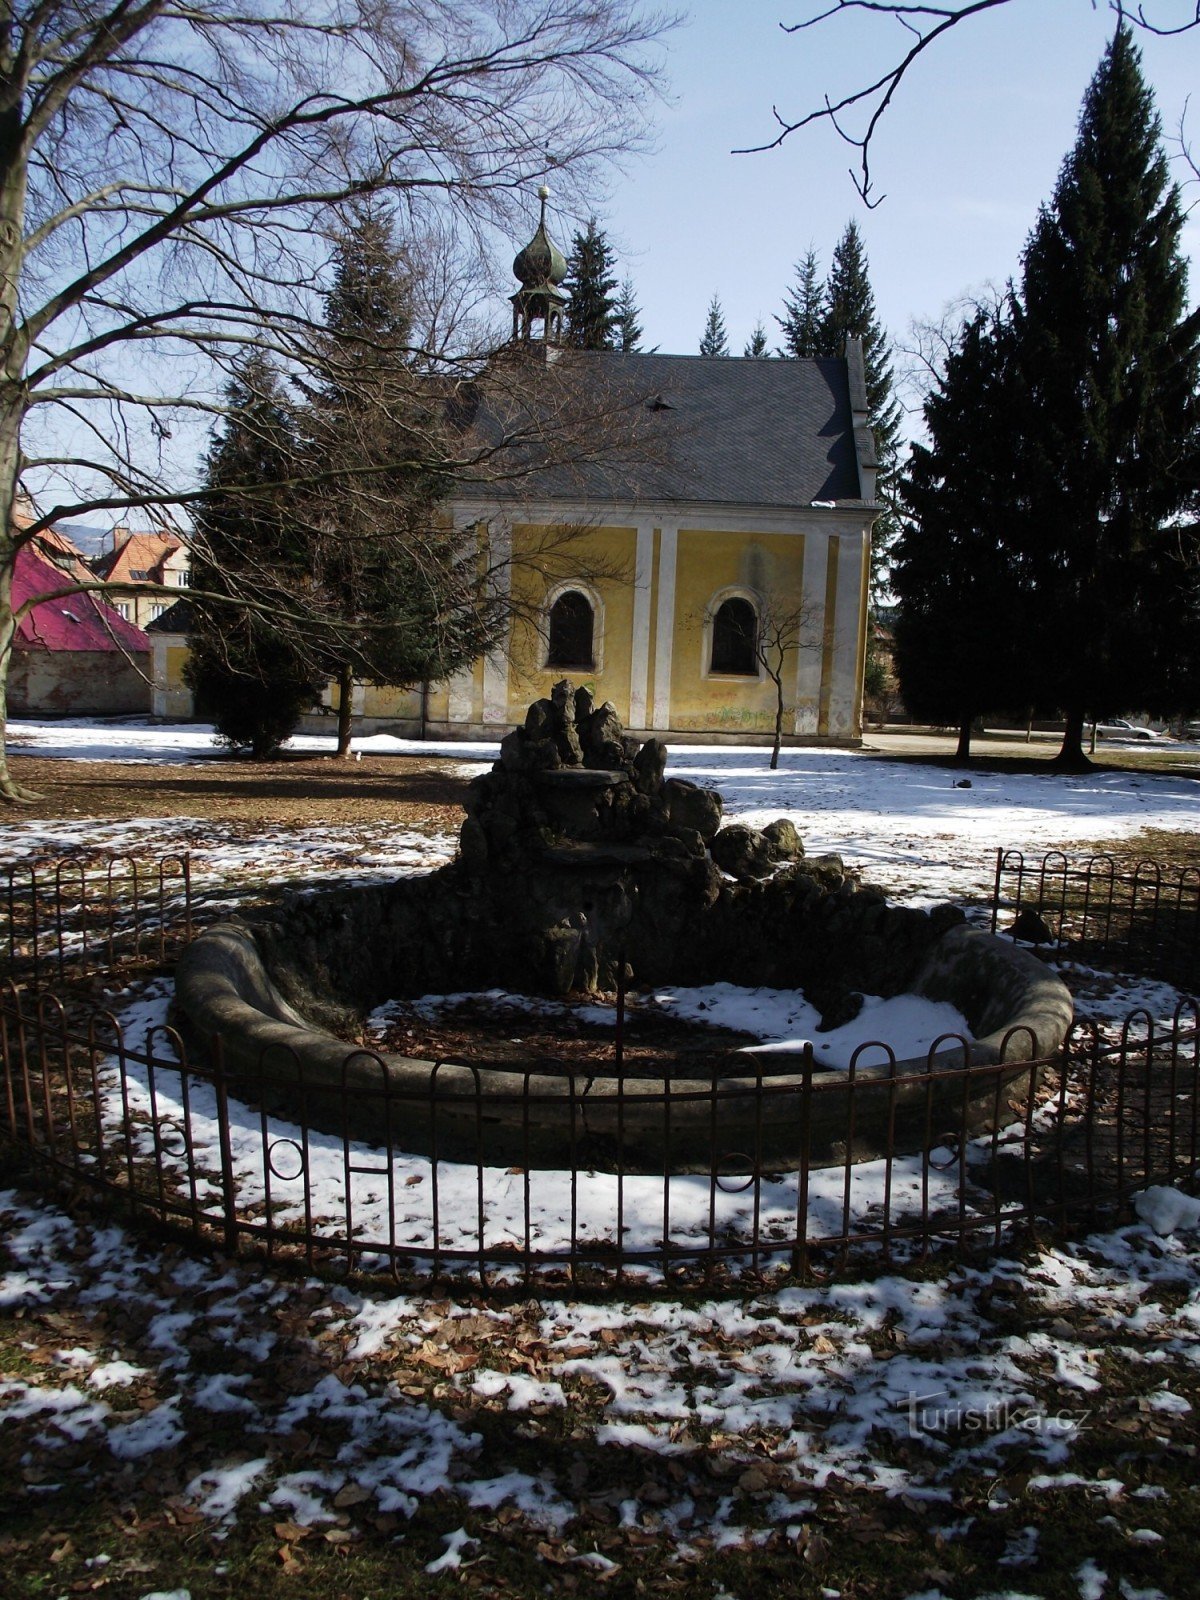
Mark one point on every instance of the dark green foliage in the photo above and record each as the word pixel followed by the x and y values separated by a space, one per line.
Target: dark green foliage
pixel 803 319
pixel 714 341
pixel 957 583
pixel 246 669
pixel 1110 362
pixel 756 344
pixel 399 591
pixel 850 312
pixel 594 313
pixel 628 328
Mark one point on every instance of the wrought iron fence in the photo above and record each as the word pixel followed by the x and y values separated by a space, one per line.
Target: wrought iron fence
pixel 233 1160
pixel 902 1169
pixel 1137 915
pixel 81 917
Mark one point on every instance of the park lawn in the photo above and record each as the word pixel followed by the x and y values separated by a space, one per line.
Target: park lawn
pixel 175 1424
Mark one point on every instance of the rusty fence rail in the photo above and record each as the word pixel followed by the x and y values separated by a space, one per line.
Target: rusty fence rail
pixel 1138 915
pixel 235 1162
pixel 86 917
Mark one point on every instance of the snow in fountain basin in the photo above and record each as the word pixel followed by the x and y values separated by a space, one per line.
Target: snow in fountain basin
pixel 781 1019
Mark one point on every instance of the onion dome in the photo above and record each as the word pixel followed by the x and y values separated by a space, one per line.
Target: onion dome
pixel 541 267
pixel 541 262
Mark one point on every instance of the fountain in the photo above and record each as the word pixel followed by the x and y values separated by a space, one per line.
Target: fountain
pixel 582 867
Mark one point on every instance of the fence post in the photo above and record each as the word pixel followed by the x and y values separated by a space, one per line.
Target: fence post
pixel 228 1182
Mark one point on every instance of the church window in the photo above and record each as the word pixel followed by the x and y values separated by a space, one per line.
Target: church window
pixel 734 633
pixel 572 624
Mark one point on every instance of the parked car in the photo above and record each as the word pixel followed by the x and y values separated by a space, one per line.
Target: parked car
pixel 1120 728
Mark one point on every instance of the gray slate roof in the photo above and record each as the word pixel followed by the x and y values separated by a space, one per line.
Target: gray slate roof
pixel 715 429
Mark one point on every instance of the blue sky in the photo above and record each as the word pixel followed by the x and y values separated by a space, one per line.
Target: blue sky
pixel 971 146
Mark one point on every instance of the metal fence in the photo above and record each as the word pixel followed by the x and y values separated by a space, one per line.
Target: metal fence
pixel 217 1155
pixel 1137 915
pixel 82 917
pixel 225 1158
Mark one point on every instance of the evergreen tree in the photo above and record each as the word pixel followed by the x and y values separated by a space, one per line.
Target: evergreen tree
pixel 593 314
pixel 380 549
pixel 628 327
pixel 850 312
pixel 715 341
pixel 803 319
pixel 958 633
pixel 756 344
pixel 1107 449
pixel 248 673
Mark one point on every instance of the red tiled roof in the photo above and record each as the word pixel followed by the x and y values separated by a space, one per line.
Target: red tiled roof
pixel 74 622
pixel 139 558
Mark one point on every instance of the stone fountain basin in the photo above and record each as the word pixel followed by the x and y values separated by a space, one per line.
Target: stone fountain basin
pixel 767 1114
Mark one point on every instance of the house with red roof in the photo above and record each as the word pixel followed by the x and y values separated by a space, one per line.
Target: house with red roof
pixel 136 561
pixel 73 655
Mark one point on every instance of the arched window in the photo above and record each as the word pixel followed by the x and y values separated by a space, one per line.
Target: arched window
pixel 572 623
pixel 734 633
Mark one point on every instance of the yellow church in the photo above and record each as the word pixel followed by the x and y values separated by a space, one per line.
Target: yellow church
pixel 734 550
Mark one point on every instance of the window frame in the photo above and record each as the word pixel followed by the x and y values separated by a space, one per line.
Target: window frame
pixel 757 673
pixel 553 596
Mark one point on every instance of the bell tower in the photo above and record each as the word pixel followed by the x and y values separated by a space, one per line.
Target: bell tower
pixel 541 267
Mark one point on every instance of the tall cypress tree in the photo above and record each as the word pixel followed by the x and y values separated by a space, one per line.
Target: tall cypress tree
pixel 249 674
pixel 628 326
pixel 959 629
pixel 593 314
pixel 714 341
pixel 1111 363
pixel 803 319
pixel 850 312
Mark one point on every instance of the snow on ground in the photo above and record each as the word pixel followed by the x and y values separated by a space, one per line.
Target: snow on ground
pixel 911 828
pixel 712 1424
pixel 721 1423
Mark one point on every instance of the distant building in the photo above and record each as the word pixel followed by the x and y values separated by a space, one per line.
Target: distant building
pixel 73 656
pixel 137 560
pixel 752 495
pixel 753 498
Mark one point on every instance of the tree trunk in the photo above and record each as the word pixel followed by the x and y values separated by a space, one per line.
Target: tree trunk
pixel 345 711
pixel 963 753
pixel 1072 758
pixel 10 789
pixel 778 723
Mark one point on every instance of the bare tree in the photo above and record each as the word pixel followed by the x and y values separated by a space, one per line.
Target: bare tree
pixel 923 26
pixel 782 626
pixel 164 175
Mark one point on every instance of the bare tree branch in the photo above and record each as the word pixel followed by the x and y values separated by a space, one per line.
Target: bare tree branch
pixel 924 25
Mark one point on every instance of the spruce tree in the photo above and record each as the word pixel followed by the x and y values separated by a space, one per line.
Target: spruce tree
pixel 714 341
pixel 803 319
pixel 250 674
pixel 850 312
pixel 593 314
pixel 1110 361
pixel 756 344
pixel 380 548
pixel 628 327
pixel 959 628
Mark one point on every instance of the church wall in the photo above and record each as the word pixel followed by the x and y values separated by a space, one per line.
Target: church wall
pixel 600 562
pixel 711 566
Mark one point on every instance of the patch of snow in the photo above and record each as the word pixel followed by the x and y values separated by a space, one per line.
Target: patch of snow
pixel 1166 1210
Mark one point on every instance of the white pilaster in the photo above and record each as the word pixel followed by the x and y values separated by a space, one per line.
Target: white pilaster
pixel 812 633
pixel 495 663
pixel 639 658
pixel 844 686
pixel 664 627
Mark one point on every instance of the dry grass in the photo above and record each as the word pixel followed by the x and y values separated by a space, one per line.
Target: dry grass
pixel 295 791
